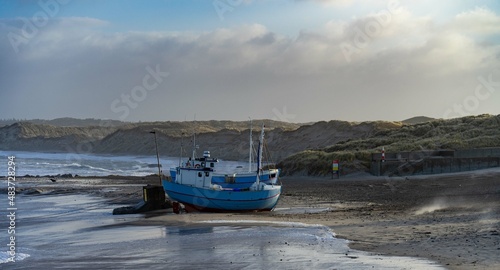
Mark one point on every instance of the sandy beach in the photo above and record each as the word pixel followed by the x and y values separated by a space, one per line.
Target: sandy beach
pixel 450 219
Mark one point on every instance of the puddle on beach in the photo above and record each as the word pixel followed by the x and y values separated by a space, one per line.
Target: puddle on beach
pixel 79 231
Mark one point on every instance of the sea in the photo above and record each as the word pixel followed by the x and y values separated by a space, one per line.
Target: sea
pixel 52 164
pixel 78 231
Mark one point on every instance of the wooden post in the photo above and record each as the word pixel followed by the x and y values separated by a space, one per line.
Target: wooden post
pixel 157 157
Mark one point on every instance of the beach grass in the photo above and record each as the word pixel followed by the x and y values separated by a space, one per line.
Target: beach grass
pixel 480 131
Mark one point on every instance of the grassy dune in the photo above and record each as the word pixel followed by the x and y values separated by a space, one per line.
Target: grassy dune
pixel 355 155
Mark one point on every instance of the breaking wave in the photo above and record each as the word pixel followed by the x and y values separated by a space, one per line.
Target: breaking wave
pixel 6 258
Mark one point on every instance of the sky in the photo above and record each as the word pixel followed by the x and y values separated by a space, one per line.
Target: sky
pixel 288 60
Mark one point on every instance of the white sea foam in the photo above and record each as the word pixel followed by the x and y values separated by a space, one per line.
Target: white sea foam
pixel 34 163
pixel 6 258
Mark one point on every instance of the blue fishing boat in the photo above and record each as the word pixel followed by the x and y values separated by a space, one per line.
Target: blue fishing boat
pixel 236 179
pixel 197 185
pixel 262 197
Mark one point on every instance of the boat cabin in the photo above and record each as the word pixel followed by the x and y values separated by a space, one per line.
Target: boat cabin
pixel 201 163
pixel 196 172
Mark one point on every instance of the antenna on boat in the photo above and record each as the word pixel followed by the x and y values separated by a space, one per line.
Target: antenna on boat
pixel 157 155
pixel 250 148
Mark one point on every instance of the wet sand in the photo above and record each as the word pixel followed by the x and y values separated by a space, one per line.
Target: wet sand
pixel 451 219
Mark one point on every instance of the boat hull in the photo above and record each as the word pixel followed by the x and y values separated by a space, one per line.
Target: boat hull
pixel 205 199
pixel 239 180
pixel 245 180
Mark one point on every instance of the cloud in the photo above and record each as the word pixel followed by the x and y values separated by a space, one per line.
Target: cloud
pixel 480 21
pixel 78 68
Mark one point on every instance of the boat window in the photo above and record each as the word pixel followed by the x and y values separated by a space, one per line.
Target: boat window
pixel 212 164
pixel 207 174
pixel 230 179
pixel 199 174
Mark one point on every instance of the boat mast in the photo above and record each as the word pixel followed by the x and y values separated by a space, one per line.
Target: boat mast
pixel 259 158
pixel 194 140
pixel 250 148
pixel 194 146
pixel 182 144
